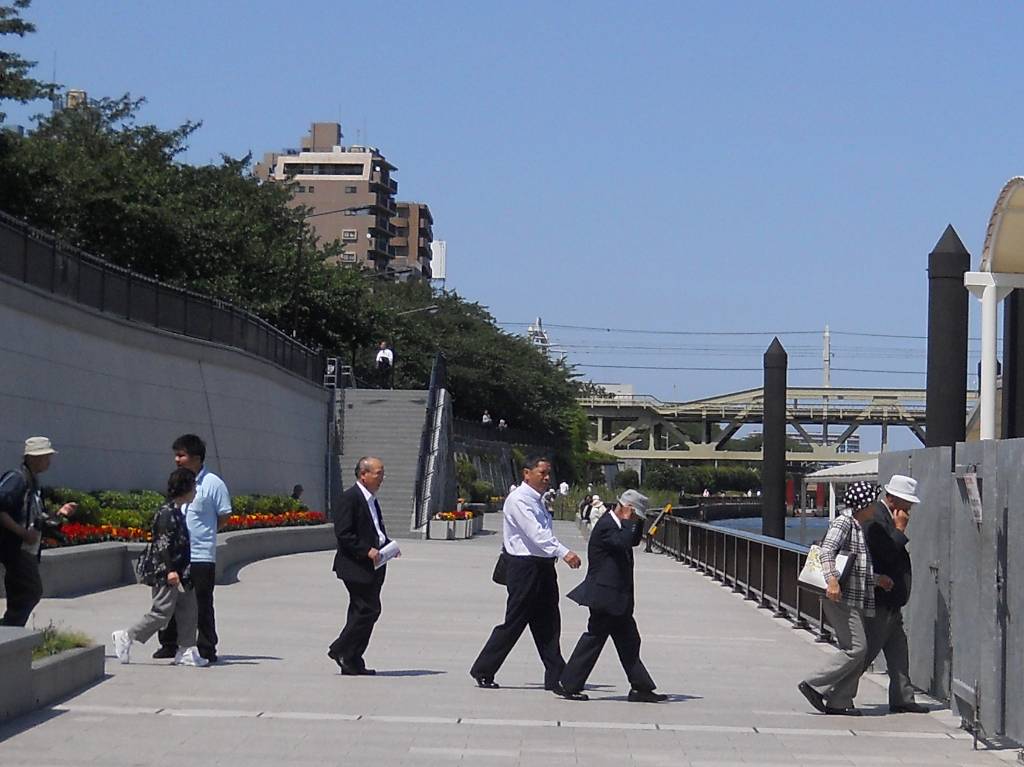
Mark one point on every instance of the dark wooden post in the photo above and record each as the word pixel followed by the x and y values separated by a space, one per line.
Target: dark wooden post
pixel 773 464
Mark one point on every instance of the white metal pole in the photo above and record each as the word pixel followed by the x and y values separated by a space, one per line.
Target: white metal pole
pixel 989 316
pixel 831 501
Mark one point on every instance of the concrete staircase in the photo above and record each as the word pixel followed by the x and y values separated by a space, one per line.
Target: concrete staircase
pixel 388 424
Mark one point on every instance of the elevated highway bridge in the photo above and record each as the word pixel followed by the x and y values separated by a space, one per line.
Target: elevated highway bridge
pixel 822 421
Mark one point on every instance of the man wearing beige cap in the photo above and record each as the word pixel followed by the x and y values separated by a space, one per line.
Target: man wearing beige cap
pixel 886 536
pixel 608 592
pixel 21 515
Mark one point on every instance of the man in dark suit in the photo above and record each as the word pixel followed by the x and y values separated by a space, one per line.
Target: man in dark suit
pixel 359 528
pixel 608 592
pixel 885 533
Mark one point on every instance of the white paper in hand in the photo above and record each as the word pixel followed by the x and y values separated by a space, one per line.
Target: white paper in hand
pixel 388 552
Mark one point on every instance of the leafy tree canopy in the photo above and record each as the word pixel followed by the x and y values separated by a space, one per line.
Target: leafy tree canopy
pixel 15 83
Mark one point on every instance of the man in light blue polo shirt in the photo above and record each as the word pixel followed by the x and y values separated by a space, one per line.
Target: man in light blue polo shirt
pixel 212 502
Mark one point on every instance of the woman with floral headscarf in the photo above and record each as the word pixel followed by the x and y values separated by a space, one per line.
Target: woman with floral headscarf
pixel 848 599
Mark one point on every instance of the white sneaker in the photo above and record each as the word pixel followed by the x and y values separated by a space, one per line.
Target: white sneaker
pixel 122 645
pixel 190 657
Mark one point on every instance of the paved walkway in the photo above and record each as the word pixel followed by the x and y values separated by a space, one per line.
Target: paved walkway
pixel 276 699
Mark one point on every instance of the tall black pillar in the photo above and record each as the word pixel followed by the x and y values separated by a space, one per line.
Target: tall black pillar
pixel 1013 366
pixel 773 464
pixel 946 409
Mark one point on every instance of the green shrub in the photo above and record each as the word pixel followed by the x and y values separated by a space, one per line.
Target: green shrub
pixel 88 505
pixel 126 518
pixel 465 476
pixel 480 491
pixel 56 641
pixel 135 500
pixel 627 478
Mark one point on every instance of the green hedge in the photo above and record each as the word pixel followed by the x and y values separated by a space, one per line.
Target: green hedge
pixel 135 508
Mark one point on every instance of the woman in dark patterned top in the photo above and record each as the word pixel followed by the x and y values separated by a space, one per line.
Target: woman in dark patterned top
pixel 166 570
pixel 847 601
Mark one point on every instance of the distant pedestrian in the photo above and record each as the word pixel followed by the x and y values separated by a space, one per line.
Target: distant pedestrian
pixel 203 516
pixel 22 518
pixel 485 419
pixel 584 507
pixel 706 493
pixel 847 602
pixel 532 582
pixel 608 592
pixel 886 534
pixel 167 572
pixel 549 500
pixel 563 488
pixel 597 509
pixel 385 361
pixel 502 424
pixel 297 493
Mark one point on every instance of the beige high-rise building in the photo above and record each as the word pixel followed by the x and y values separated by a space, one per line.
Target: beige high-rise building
pixel 331 177
pixel 414 231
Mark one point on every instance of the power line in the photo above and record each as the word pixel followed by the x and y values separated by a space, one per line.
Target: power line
pixel 744 370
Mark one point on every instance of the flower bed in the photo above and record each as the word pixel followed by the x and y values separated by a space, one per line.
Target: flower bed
pixel 451 516
pixel 76 533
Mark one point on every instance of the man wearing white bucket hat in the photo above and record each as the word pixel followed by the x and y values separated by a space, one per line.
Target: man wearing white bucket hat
pixel 885 532
pixel 22 516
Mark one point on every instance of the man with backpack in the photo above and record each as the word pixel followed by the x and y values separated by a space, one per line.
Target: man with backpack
pixel 22 517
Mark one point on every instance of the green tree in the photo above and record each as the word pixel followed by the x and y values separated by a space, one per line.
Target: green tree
pixel 15 82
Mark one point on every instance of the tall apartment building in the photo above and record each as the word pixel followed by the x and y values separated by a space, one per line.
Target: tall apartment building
pixel 331 177
pixel 414 233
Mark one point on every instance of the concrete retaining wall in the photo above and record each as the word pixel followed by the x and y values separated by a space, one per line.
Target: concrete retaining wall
pixel 113 395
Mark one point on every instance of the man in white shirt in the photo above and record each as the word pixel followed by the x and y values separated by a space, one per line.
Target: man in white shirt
pixel 385 360
pixel 532 550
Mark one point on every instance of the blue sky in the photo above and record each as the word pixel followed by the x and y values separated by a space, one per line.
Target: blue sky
pixel 684 167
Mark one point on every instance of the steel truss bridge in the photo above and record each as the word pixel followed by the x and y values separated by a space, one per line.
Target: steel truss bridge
pixel 641 426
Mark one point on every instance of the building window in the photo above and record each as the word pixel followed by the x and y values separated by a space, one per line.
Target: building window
pixel 350 190
pixel 309 189
pixel 348 258
pixel 349 235
pixel 301 189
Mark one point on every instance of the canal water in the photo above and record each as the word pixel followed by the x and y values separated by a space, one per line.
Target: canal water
pixel 805 530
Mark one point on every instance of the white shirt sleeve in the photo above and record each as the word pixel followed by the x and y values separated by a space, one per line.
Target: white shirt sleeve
pixel 539 540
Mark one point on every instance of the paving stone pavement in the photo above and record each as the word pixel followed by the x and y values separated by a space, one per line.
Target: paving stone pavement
pixel 276 699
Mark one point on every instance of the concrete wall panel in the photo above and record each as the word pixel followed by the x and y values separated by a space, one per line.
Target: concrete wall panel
pixel 114 395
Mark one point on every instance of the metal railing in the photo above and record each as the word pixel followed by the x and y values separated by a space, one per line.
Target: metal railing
pixel 761 568
pixel 40 260
pixel 426 487
pixel 491 433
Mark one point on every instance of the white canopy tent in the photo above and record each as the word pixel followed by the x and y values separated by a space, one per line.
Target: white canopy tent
pixel 844 474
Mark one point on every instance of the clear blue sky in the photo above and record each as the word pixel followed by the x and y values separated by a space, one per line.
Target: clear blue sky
pixel 665 166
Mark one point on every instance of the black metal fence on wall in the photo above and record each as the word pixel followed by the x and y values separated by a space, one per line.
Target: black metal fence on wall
pixel 40 260
pixel 763 569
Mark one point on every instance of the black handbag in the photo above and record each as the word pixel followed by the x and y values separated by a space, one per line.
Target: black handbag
pixel 500 574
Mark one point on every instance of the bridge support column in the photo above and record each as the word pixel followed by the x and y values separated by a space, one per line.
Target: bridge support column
pixel 773 464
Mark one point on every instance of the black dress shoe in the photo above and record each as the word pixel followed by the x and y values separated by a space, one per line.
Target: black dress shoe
pixel 908 708
pixel 570 694
pixel 813 696
pixel 347 670
pixel 646 696
pixel 335 657
pixel 487 682
pixel 850 711
pixel 163 651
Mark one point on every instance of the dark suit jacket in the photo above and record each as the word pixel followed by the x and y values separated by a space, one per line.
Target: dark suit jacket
pixel 608 586
pixel 889 556
pixel 356 535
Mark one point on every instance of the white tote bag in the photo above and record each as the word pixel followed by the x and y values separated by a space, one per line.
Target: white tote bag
pixel 812 577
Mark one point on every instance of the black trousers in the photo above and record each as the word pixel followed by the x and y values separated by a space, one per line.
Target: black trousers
pixel 363 612
pixel 532 601
pixel 24 587
pixel 204 575
pixel 624 633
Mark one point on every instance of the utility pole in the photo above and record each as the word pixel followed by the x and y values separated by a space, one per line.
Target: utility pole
pixel 826 366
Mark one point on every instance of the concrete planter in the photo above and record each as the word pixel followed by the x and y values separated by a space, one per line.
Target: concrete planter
pixel 27 685
pixel 441 530
pixel 462 529
pixel 478 523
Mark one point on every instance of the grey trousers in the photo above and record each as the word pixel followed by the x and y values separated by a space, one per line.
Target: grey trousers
pixel 839 679
pixel 886 635
pixel 168 602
